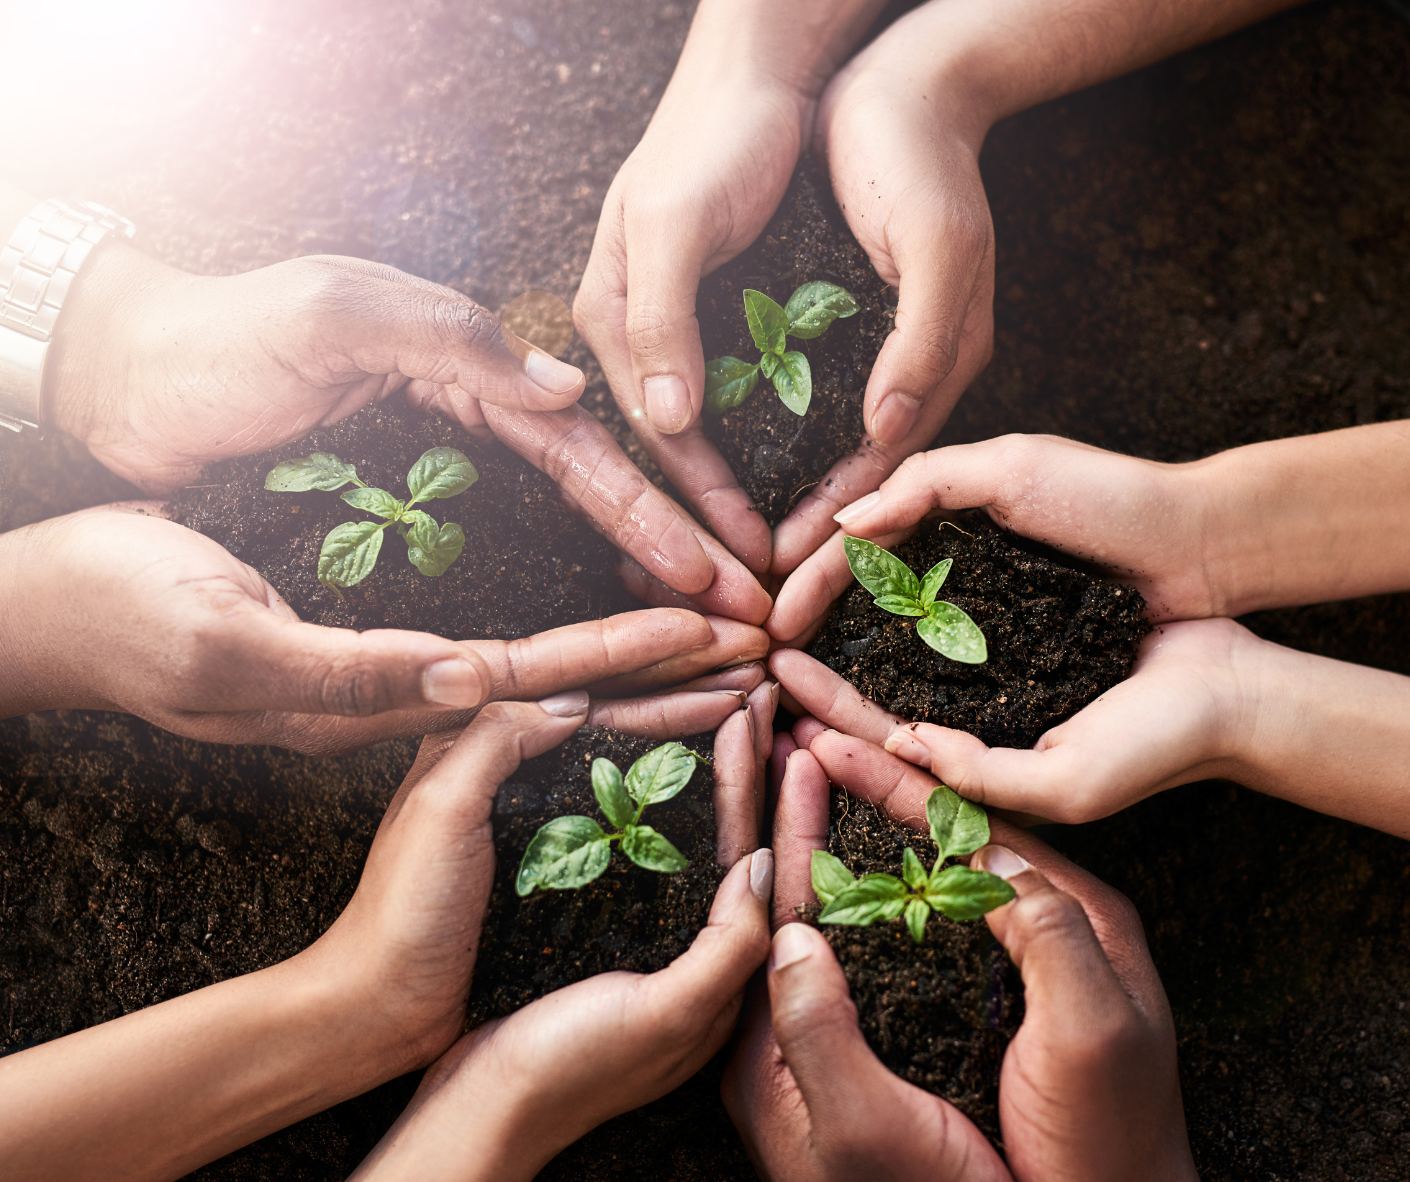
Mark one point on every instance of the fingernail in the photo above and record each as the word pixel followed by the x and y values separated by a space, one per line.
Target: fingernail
pixel 739 696
pixel 857 508
pixel 548 373
pixel 452 682
pixel 566 705
pixel 903 743
pixel 761 874
pixel 792 944
pixel 894 417
pixel 667 403
pixel 1000 860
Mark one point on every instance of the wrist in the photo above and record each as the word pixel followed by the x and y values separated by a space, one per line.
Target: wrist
pixel 30 673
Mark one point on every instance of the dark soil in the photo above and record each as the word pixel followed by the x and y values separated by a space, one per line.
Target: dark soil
pixel 528 564
pixel 1212 251
pixel 1058 639
pixel 939 1014
pixel 777 455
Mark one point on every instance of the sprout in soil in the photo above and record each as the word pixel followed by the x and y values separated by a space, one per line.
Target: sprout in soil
pixel 350 550
pixel 958 828
pixel 570 852
pixel 942 625
pixel 811 309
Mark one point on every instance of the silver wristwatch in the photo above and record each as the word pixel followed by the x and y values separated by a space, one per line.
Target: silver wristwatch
pixel 37 267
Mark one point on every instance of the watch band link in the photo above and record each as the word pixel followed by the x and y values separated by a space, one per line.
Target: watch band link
pixel 37 267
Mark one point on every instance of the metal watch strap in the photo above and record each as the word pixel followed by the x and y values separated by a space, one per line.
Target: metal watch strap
pixel 37 268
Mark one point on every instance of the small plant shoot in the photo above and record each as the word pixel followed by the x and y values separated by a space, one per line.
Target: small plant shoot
pixel 569 852
pixel 811 309
pixel 959 828
pixel 350 550
pixel 943 626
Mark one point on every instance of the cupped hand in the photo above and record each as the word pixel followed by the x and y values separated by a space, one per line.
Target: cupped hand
pixel 1088 1088
pixel 905 170
pixel 113 609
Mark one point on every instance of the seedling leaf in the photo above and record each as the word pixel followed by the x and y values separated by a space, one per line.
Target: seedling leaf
pixel 933 580
pixel 881 573
pixel 611 793
pixel 870 900
pixel 917 912
pixel 440 472
pixel 912 871
pixel 959 826
pixel 814 306
pixel 430 550
pixel 320 472
pixel 565 854
pixel 794 382
pixel 349 553
pixel 728 382
pixel 769 363
pixel 649 850
pixel 660 774
pixel 768 323
pixel 950 632
pixel 830 877
pixel 899 605
pixel 962 893
pixel 374 500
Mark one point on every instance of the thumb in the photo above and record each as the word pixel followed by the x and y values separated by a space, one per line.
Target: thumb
pixel 392 322
pixel 663 335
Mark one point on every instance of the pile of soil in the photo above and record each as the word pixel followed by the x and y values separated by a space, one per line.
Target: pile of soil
pixel 1058 638
pixel 939 1014
pixel 528 564
pixel 777 455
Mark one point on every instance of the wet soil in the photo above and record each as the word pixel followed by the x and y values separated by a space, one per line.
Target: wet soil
pixel 1212 251
pixel 1057 638
pixel 776 454
pixel 528 563
pixel 939 1014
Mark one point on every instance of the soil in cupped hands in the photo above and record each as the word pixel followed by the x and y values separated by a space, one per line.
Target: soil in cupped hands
pixel 1058 638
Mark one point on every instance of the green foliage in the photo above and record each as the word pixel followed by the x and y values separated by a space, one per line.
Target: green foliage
pixel 893 584
pixel 350 550
pixel 570 852
pixel 959 827
pixel 811 309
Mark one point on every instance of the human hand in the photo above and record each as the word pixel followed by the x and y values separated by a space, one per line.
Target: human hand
pixel 108 609
pixel 1088 1087
pixel 904 161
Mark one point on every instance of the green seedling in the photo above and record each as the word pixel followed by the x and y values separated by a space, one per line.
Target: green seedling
pixel 943 626
pixel 350 550
pixel 811 309
pixel 959 828
pixel 569 852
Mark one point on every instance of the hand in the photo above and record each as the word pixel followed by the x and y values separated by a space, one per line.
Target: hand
pixel 904 160
pixel 1088 1087
pixel 107 609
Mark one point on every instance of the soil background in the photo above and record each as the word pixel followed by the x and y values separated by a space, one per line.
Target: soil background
pixel 1209 252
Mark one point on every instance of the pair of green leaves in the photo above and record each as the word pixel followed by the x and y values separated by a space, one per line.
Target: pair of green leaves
pixel 350 550
pixel 959 828
pixel 943 626
pixel 570 852
pixel 811 309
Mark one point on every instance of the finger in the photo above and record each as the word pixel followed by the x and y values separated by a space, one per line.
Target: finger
pixel 386 324
pixel 576 451
pixel 832 700
pixel 762 704
pixel 667 716
pixel 806 729
pixel 800 827
pixel 807 594
pixel 736 827
pixel 895 787
pixel 744 677
pixel 732 592
pixel 732 645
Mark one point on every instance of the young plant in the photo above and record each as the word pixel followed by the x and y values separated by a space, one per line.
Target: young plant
pixel 350 550
pixel 570 852
pixel 811 309
pixel 943 626
pixel 959 828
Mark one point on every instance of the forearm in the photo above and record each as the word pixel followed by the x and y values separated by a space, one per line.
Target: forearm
pixel 1304 520
pixel 1326 735
pixel 154 1094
